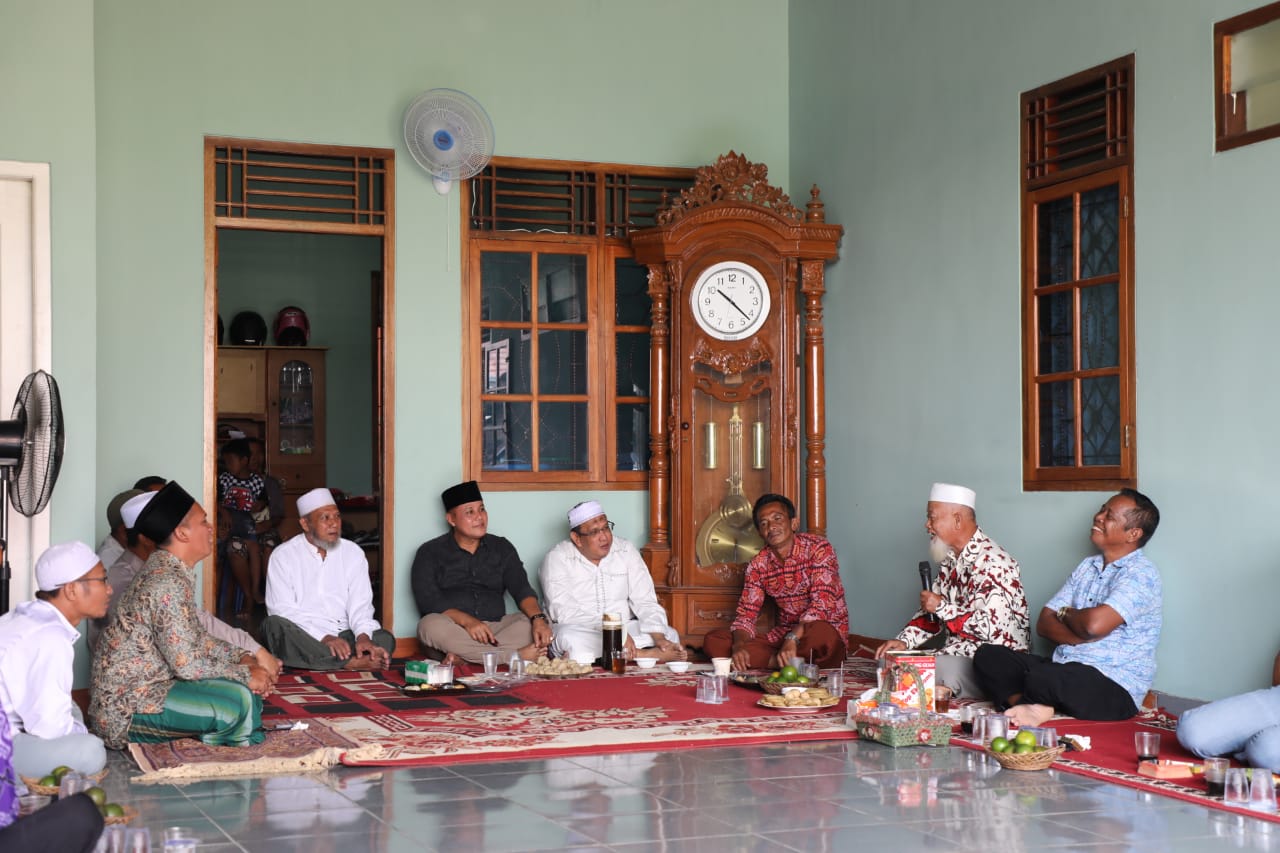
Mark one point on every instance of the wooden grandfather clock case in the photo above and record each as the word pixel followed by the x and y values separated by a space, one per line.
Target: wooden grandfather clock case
pixel 736 278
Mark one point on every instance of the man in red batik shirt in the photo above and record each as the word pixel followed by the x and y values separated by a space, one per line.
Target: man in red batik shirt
pixel 799 571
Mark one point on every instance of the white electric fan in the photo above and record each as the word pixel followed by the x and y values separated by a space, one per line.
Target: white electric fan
pixel 449 134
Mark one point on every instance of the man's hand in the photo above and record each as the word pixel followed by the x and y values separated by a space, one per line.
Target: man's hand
pixel 269 662
pixel 541 633
pixel 340 648
pixel 366 647
pixel 259 681
pixel 741 658
pixel 478 631
pixel 930 601
pixel 890 646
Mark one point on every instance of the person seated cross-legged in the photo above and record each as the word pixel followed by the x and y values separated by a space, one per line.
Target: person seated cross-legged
pixel 1106 622
pixel 157 673
pixel 319 599
pixel 1245 726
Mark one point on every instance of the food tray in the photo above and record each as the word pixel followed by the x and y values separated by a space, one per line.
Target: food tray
pixel 799 709
pixel 419 689
pixel 33 783
pixel 1027 760
pixel 758 681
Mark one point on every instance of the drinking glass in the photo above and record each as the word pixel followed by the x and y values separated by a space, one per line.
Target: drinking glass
pixel 1048 738
pixel 967 715
pixel 1235 787
pixel 706 688
pixel 490 663
pixel 1147 745
pixel 112 840
pixel 809 671
pixel 721 688
pixel 72 784
pixel 1215 769
pixel 835 682
pixel 942 698
pixel 994 726
pixel 138 841
pixel 1262 790
pixel 29 803
pixel 979 725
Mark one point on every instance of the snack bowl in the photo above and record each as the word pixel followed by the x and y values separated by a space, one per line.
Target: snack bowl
pixel 646 663
pixel 584 659
pixel 678 665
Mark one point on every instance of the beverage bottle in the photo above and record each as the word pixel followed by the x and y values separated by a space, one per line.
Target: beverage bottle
pixel 611 643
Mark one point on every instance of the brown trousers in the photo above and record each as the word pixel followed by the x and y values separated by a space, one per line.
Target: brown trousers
pixel 823 642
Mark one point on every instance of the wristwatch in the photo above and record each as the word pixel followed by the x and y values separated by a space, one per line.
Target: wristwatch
pixel 541 616
pixel 1062 612
pixel 790 636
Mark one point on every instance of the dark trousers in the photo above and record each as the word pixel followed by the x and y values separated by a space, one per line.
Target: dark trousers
pixel 1075 689
pixel 298 649
pixel 72 825
pixel 820 641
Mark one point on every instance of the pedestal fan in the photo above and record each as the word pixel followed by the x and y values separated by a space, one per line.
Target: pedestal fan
pixel 30 457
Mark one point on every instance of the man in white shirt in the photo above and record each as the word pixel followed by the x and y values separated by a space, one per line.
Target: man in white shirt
pixel 319 597
pixel 113 544
pixel 37 654
pixel 593 573
pixel 122 572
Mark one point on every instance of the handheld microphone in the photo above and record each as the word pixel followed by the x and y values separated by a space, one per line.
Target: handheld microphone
pixel 926 571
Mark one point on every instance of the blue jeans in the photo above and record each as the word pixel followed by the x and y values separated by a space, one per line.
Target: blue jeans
pixel 1247 725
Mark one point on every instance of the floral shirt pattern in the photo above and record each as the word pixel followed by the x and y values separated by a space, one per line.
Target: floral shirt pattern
pixel 982 602
pixel 806 588
pixel 1131 586
pixel 154 638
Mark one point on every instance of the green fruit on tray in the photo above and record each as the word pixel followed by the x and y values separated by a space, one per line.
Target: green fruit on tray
pixel 1023 748
pixel 98 795
pixel 113 810
pixel 1025 737
pixel 50 780
pixel 1001 745
pixel 788 674
pixel 59 771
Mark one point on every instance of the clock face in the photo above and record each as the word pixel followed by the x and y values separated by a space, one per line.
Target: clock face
pixel 730 300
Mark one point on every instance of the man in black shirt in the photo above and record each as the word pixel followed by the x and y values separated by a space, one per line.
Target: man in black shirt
pixel 459 581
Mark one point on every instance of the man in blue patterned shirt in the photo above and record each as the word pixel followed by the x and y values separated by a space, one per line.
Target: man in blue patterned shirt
pixel 1105 621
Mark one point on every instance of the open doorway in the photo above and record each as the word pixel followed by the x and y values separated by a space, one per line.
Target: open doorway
pixel 299 248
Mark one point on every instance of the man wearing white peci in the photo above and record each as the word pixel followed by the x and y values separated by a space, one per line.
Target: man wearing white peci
pixel 593 573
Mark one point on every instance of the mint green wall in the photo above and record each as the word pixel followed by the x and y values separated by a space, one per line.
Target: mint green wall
pixel 327 275
pixel 625 82
pixel 906 113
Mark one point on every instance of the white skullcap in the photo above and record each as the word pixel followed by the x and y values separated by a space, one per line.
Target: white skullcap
pixel 585 511
pixel 64 563
pixel 133 508
pixel 945 493
pixel 313 500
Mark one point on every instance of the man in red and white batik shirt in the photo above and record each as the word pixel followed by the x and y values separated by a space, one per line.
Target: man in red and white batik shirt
pixel 977 597
pixel 800 572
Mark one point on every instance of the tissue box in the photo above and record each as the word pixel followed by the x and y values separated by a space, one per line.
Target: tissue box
pixel 418 671
pixel 912 675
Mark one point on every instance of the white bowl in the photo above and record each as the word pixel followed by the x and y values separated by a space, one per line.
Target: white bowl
pixel 646 663
pixel 585 660
pixel 678 665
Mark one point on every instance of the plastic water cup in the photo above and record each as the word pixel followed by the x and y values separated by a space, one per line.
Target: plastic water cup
pixel 1047 738
pixel 722 689
pixel 797 662
pixel 721 666
pixel 1147 745
pixel 138 840
pixel 180 845
pixel 994 726
pixel 179 833
pixel 112 840
pixel 1235 787
pixel 490 663
pixel 518 667
pixel 72 784
pixel 835 682
pixel 809 671
pixel 1262 790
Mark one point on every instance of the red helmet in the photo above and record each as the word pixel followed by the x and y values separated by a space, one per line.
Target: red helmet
pixel 292 328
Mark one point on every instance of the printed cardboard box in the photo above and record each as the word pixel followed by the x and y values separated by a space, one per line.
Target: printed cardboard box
pixel 907 685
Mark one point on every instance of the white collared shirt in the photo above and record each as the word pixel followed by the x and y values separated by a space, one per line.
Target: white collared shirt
pixel 576 591
pixel 321 594
pixel 37 655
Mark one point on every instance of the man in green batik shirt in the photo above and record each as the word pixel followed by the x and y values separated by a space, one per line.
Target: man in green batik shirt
pixel 157 674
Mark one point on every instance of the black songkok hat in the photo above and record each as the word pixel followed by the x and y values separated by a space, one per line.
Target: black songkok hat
pixel 164 512
pixel 463 493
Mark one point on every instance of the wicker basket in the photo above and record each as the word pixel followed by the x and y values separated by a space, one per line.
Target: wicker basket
pixel 924 730
pixel 129 814
pixel 33 783
pixel 1027 760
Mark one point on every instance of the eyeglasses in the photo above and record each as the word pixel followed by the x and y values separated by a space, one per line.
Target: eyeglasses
pixel 103 579
pixel 608 525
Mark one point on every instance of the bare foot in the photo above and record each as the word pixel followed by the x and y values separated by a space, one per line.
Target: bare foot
pixel 531 652
pixel 1030 715
pixel 361 663
pixel 672 653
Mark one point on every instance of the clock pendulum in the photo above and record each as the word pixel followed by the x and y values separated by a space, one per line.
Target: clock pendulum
pixel 728 534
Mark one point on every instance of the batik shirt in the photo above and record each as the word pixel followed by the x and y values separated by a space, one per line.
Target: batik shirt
pixel 1131 587
pixel 8 779
pixel 982 601
pixel 154 638
pixel 806 588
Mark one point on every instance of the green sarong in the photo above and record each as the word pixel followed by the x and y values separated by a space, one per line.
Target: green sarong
pixel 218 711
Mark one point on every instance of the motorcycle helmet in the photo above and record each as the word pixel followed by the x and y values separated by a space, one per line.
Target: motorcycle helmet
pixel 248 329
pixel 292 327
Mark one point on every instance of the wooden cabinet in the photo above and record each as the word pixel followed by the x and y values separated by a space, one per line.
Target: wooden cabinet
pixel 278 393
pixel 736 278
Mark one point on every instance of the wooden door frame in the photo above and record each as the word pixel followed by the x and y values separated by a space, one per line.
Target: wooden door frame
pixel 386 436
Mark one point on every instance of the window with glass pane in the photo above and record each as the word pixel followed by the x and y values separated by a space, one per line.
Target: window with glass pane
pixel 1246 64
pixel 557 324
pixel 1077 292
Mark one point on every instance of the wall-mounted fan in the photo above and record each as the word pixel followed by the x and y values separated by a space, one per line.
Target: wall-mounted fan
pixel 449 134
pixel 30 457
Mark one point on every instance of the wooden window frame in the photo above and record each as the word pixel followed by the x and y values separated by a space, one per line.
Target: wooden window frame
pixel 602 248
pixel 1114 165
pixel 1229 124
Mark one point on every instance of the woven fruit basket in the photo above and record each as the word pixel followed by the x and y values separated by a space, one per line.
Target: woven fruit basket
pixel 923 729
pixel 1027 760
pixel 34 786
pixel 129 814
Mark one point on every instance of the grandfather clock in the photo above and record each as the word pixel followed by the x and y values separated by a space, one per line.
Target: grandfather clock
pixel 736 283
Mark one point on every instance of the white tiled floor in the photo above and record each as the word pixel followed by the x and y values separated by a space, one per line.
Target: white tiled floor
pixel 812 796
